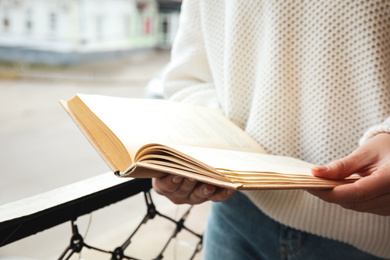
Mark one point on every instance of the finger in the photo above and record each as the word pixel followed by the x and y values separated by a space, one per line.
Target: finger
pixel 167 184
pixel 221 195
pixel 364 189
pixel 342 168
pixel 377 205
pixel 202 192
pixel 186 188
pixel 210 192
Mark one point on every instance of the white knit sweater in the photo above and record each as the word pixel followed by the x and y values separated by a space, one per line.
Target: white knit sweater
pixel 306 79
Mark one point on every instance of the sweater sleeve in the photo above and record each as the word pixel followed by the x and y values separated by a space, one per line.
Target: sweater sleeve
pixel 188 77
pixel 376 129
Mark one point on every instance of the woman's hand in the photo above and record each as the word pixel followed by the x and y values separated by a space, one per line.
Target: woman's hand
pixel 182 190
pixel 369 194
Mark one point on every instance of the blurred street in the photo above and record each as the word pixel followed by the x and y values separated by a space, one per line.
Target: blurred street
pixel 42 149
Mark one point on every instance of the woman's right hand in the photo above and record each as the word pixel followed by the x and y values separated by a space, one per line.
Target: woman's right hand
pixel 188 191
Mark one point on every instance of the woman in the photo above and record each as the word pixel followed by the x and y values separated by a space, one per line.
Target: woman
pixel 306 79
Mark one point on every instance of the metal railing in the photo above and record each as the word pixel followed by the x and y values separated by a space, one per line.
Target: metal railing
pixel 15 228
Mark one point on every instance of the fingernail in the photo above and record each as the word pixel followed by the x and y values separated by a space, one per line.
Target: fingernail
pixel 177 179
pixel 191 180
pixel 229 192
pixel 207 190
pixel 320 168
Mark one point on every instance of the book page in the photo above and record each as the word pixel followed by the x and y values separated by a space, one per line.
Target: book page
pixel 247 162
pixel 140 121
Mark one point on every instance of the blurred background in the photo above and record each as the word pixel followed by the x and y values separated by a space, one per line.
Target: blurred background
pixel 51 50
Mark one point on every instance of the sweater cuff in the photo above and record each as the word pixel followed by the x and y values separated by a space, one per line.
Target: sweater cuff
pixel 377 129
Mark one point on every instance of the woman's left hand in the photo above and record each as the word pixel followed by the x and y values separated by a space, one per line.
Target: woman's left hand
pixel 372 192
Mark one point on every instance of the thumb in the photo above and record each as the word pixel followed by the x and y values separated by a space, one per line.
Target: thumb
pixel 342 168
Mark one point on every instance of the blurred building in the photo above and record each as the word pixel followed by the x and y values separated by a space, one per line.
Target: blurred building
pixel 169 12
pixel 74 31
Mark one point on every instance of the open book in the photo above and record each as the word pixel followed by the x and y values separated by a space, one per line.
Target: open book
pixel 145 138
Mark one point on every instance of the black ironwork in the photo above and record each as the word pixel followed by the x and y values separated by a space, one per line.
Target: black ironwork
pixel 77 241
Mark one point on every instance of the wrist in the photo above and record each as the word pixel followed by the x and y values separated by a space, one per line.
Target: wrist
pixel 383 128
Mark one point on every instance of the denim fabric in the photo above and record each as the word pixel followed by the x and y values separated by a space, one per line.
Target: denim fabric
pixel 237 229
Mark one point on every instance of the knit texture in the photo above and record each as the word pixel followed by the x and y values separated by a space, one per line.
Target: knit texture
pixel 306 79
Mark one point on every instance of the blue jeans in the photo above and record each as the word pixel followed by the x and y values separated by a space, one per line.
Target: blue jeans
pixel 237 229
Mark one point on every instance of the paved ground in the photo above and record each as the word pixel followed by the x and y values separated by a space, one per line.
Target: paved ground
pixel 40 146
pixel 41 149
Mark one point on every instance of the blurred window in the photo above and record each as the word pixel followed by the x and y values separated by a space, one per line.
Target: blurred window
pixel 99 27
pixel 126 25
pixel 165 25
pixel 5 24
pixel 147 26
pixel 29 23
pixel 6 21
pixel 53 22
